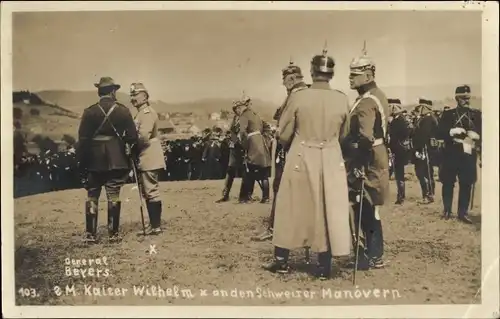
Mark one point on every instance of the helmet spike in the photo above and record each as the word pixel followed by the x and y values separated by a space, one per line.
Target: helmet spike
pixel 325 48
pixel 365 53
pixel 291 61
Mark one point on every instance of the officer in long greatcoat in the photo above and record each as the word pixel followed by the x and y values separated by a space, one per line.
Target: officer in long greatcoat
pixel 257 160
pixel 151 160
pixel 312 208
pixel 424 148
pixel 460 129
pixel 293 80
pixel 107 139
pixel 399 133
pixel 366 152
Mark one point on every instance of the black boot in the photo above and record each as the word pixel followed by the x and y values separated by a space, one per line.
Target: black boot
pixel 464 194
pixel 155 209
pixel 114 209
pixel 228 184
pixel 280 263
pixel 91 214
pixel 324 267
pixel 401 192
pixel 265 191
pixel 447 193
pixel 244 197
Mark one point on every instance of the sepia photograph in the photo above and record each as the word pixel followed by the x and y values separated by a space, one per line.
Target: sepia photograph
pixel 250 159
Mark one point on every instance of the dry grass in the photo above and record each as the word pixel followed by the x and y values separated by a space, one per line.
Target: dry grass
pixel 207 246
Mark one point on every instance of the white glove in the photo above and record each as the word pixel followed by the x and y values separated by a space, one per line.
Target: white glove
pixel 473 135
pixel 457 131
pixel 131 174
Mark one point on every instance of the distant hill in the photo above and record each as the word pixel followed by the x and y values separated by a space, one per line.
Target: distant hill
pixel 77 101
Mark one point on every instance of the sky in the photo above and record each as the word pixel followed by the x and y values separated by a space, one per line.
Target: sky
pixel 188 55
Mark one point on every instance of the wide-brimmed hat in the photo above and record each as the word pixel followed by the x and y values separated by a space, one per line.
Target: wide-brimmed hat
pixel 107 81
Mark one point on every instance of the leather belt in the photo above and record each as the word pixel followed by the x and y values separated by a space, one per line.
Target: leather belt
pixel 254 133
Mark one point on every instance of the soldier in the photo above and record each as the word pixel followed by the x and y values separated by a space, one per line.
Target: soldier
pixel 236 155
pixel 151 160
pixel 366 152
pixel 399 131
pixel 293 80
pixel 257 159
pixel 424 143
pixel 460 130
pixel 107 138
pixel 312 208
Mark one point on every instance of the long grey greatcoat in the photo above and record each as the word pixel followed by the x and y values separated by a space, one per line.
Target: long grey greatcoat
pixel 252 140
pixel 312 206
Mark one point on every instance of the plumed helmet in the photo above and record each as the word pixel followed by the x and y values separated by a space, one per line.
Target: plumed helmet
pixel 323 63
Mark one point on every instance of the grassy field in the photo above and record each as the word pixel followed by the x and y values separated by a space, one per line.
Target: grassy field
pixel 207 246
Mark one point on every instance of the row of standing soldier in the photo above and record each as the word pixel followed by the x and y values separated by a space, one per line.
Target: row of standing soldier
pixel 452 142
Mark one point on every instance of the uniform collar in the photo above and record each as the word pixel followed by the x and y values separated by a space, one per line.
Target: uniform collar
pixel 143 106
pixel 107 100
pixel 322 85
pixel 367 87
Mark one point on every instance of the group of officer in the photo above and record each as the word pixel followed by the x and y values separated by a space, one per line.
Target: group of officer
pixel 319 133
pixel 332 160
pixel 450 141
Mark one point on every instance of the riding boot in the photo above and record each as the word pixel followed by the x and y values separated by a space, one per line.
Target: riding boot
pixel 246 184
pixel 228 184
pixel 265 191
pixel 155 207
pixel 401 192
pixel 114 209
pixel 375 240
pixel 447 194
pixel 280 263
pixel 91 214
pixel 324 268
pixel 464 195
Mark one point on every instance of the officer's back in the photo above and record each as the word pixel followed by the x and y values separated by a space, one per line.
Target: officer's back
pixel 105 143
pixel 319 112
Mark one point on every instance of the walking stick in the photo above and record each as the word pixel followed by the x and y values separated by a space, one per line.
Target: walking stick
pixel 138 184
pixel 358 234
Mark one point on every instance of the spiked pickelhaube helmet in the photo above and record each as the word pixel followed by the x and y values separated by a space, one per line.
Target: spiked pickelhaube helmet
pixel 362 63
pixel 323 63
pixel 292 69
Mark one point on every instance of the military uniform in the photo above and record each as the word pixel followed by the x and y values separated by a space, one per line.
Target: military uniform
pixel 107 135
pixel 280 152
pixel 257 152
pixel 424 149
pixel 399 138
pixel 312 208
pixel 366 152
pixel 460 129
pixel 151 160
pixel 235 163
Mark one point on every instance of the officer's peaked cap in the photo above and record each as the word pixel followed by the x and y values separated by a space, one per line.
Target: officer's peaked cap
pixel 394 101
pixel 137 87
pixel 425 102
pixel 463 90
pixel 107 81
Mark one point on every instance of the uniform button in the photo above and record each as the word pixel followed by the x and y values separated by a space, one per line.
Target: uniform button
pixel 296 166
pixel 302 143
pixel 321 144
pixel 299 154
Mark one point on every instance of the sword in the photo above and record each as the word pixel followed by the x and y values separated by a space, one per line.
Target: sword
pixel 139 189
pixel 358 234
pixel 429 170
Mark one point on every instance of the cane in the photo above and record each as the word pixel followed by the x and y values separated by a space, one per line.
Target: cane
pixel 358 234
pixel 138 184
